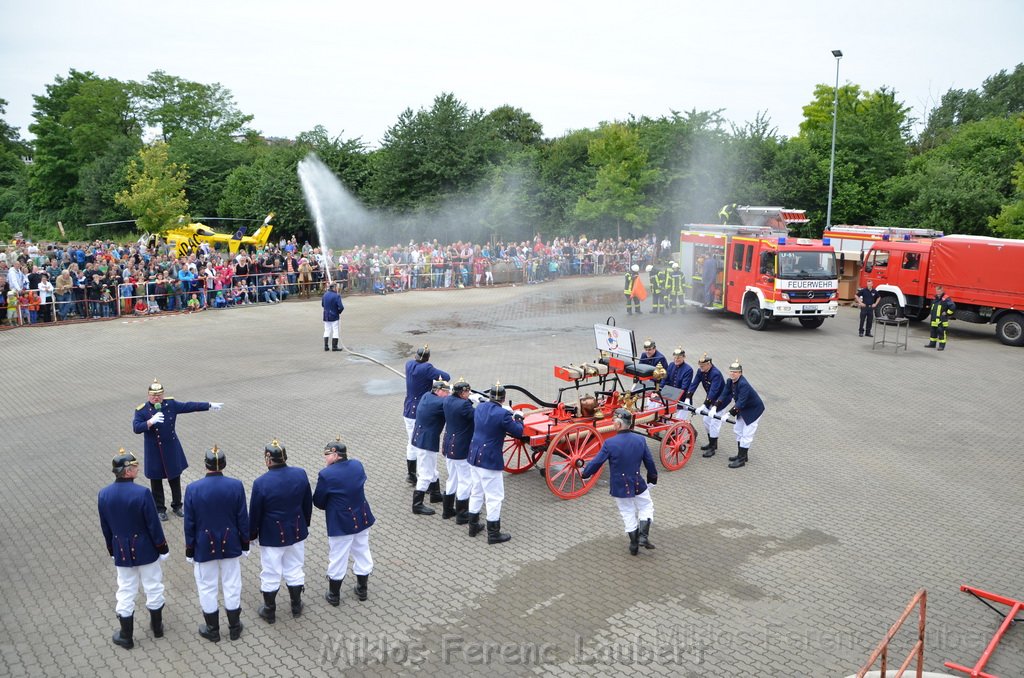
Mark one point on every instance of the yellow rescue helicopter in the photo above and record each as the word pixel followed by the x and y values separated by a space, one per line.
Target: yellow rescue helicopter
pixel 187 237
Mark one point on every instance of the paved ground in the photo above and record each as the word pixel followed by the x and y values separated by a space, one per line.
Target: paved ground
pixel 873 474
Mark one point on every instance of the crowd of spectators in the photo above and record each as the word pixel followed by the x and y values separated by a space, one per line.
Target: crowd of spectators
pixel 55 282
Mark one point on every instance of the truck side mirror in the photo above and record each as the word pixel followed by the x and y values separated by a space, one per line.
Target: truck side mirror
pixel 867 269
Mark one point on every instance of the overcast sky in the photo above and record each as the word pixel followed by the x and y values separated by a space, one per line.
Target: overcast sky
pixel 354 67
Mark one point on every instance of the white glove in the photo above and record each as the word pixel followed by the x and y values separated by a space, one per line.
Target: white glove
pixel 245 554
pixel 712 412
pixel 216 406
pixel 165 556
pixel 190 561
pixel 157 418
pixel 476 398
pixel 518 416
pixel 688 402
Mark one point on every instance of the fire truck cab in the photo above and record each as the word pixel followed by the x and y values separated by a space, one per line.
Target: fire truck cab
pixel 759 272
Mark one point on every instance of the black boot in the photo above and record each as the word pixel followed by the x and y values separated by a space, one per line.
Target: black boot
pixel 156 622
pixel 494 533
pixel 435 492
pixel 296 593
pixel 930 344
pixel 448 505
pixel 742 461
pixel 334 345
pixel 711 444
pixel 738 451
pixel 475 527
pixel 211 629
pixel 645 531
pixel 123 637
pixel 461 511
pixel 234 623
pixel 417 504
pixel 326 348
pixel 333 595
pixel 360 589
pixel 410 471
pixel 712 447
pixel 634 544
pixel 268 611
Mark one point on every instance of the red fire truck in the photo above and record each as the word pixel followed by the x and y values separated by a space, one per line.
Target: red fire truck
pixel 759 271
pixel 984 276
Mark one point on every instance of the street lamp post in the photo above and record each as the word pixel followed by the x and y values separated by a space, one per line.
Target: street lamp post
pixel 838 54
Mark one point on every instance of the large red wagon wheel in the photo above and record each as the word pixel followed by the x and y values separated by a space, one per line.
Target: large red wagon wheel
pixel 519 457
pixel 574 444
pixel 677 445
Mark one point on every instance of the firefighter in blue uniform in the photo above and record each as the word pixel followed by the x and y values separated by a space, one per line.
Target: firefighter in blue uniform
pixel 136 542
pixel 748 409
pixel 652 356
pixel 216 538
pixel 333 308
pixel 679 373
pixel 710 378
pixel 419 377
pixel 426 440
pixel 625 452
pixel 943 309
pixel 458 433
pixel 340 494
pixel 164 458
pixel 491 423
pixel 280 509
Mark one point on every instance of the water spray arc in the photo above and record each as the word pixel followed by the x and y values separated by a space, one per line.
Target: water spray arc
pixel 312 177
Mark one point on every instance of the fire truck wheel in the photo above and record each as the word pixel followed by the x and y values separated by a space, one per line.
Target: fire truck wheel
pixel 755 317
pixel 888 308
pixel 812 323
pixel 1010 329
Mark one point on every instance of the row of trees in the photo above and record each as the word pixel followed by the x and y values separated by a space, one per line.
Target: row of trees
pixel 106 150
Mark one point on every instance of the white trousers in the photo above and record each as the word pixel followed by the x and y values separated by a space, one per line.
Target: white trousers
pixel 744 431
pixel 487 485
pixel 128 579
pixel 282 561
pixel 426 468
pixel 356 546
pixel 712 425
pixel 410 451
pixel 331 328
pixel 634 509
pixel 460 478
pixel 228 571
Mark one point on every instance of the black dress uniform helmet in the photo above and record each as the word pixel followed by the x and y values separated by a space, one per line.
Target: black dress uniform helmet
pixel 215 459
pixel 423 354
pixel 440 385
pixel 122 460
pixel 460 386
pixel 276 452
pixel 337 447
pixel 497 393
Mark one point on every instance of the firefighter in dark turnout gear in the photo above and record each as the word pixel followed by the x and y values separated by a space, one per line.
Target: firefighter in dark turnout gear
pixel 632 301
pixel 675 288
pixel 943 309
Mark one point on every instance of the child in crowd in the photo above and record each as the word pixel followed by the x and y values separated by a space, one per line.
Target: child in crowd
pixel 12 307
pixel 193 303
pixel 106 303
pixel 140 306
pixel 219 301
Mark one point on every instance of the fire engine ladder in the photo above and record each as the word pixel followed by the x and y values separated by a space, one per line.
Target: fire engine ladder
pixel 919 601
pixel 886 230
pixel 1008 621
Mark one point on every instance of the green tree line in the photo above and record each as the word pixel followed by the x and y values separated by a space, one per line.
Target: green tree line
pixel 106 150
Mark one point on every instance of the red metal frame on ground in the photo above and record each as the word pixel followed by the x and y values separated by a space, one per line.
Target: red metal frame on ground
pixel 1008 620
pixel 882 651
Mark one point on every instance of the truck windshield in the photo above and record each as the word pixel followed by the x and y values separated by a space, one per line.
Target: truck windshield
pixel 802 265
